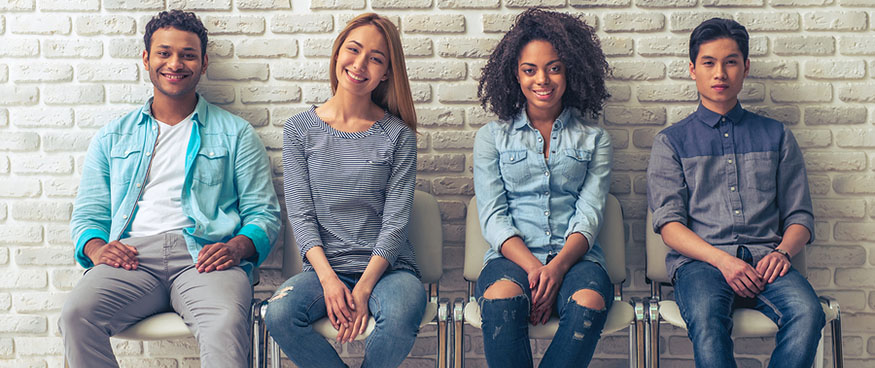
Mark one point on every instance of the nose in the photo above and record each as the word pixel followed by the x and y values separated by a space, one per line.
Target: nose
pixel 720 72
pixel 360 62
pixel 541 77
pixel 174 62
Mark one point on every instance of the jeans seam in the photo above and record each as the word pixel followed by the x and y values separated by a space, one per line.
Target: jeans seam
pixel 769 304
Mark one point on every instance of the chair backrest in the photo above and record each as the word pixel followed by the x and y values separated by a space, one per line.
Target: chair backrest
pixel 612 240
pixel 657 250
pixel 425 234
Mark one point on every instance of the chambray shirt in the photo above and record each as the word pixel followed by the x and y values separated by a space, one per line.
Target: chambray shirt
pixel 519 193
pixel 227 189
pixel 733 180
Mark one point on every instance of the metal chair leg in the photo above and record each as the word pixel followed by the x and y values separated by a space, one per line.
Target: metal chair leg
pixel 443 315
pixel 836 329
pixel 653 331
pixel 458 334
pixel 640 335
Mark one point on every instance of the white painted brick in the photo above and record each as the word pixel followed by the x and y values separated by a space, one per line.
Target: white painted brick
pixel 72 94
pixel 531 3
pixel 44 256
pixel 65 279
pixel 497 23
pixel 302 23
pixel 854 231
pixel 835 69
pixel 468 4
pixel 835 21
pixel 22 279
pixel 337 4
pixel 19 141
pixel 2 24
pixel 857 92
pixel 841 208
pixel 5 304
pixel 444 140
pixel 128 93
pixel 856 45
pixel 3 212
pixel 94 117
pixel 619 92
pixel 785 114
pixel 477 117
pixel 401 4
pixel 257 117
pixel 4 259
pixel 42 73
pixel 752 92
pixel 108 72
pixel 665 3
pixel 220 48
pixel 345 18
pixel 58 234
pixel 855 138
pixel 733 3
pixel 475 69
pixel 148 362
pixel 321 47
pixel 433 23
pixel 126 48
pixel 24 363
pixel 48 24
pixel 4 117
pixel 104 25
pixel 457 93
pixel 678 113
pixel 813 138
pixel 4 73
pixel 301 71
pixel 626 161
pixel 20 187
pixel 17 5
pixel 50 117
pixel 133 4
pixel 854 184
pixel 41 211
pixel 600 3
pixel 30 302
pixel 264 47
pixel 819 184
pixel 67 5
pixel 627 115
pixel 835 161
pixel 663 46
pixel 217 94
pixel 263 4
pixel 633 22
pixel 217 25
pixel 22 323
pixel 18 95
pixel 857 3
pixel 638 70
pixel 76 48
pixel 798 3
pixel 686 21
pixel 667 93
pixel 801 92
pixel 679 69
pixel 450 118
pixel 769 21
pixel 433 71
pixel 316 93
pixel 238 71
pixel 617 46
pixel 282 94
pixel 804 45
pixel 773 69
pixel 466 47
pixel 190 5
pixel 33 164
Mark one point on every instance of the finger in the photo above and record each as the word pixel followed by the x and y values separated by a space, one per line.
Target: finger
pixel 349 299
pixel 343 312
pixel 228 263
pixel 364 324
pixel 340 332
pixel 741 289
pixel 545 316
pixel 785 269
pixel 214 258
pixel 768 271
pixel 329 312
pixel 763 265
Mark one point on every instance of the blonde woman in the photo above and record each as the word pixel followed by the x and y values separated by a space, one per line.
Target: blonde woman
pixel 349 176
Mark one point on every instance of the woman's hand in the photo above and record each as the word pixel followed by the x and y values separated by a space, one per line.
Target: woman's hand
pixel 544 282
pixel 360 315
pixel 339 303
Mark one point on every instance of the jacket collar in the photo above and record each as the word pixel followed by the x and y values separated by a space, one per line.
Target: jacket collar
pixel 712 118
pixel 199 116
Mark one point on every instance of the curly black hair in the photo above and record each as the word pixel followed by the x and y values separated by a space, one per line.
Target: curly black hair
pixel 578 48
pixel 181 20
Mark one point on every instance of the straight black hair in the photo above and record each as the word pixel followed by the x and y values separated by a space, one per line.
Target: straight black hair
pixel 717 28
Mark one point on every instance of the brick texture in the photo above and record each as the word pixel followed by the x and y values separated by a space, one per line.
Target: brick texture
pixel 69 67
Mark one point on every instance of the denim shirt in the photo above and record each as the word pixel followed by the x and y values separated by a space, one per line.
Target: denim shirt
pixel 543 201
pixel 737 179
pixel 227 189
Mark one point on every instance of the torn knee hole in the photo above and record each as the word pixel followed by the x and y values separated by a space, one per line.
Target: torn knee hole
pixel 503 289
pixel 281 293
pixel 589 299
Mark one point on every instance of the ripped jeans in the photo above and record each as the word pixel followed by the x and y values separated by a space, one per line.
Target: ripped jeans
pixel 506 321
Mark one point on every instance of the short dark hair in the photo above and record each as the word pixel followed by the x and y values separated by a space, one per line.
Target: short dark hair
pixel 716 28
pixel 183 21
pixel 578 48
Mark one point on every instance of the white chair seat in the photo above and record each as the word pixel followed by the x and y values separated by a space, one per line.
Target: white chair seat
pixel 162 326
pixel 746 322
pixel 324 327
pixel 620 316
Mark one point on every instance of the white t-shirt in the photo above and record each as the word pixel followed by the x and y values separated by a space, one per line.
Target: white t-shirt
pixel 160 207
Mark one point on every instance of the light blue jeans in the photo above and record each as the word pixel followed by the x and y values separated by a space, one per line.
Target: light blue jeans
pixel 397 304
pixel 706 301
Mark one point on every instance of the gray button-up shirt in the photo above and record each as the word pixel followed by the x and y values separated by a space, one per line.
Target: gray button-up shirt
pixel 737 179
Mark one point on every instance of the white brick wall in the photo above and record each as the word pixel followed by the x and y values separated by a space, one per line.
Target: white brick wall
pixel 67 67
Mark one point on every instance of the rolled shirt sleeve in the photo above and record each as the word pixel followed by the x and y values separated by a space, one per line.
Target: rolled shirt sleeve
pixel 495 222
pixel 590 204
pixel 667 192
pixel 794 198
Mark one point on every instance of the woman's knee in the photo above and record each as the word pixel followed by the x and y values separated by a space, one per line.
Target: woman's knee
pixel 589 298
pixel 503 289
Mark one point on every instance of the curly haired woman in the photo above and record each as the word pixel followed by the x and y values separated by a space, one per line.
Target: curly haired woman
pixel 541 175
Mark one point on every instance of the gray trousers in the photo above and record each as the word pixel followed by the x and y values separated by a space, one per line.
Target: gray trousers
pixel 214 305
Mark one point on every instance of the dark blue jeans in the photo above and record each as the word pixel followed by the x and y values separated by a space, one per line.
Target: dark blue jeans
pixel 706 302
pixel 506 321
pixel 397 304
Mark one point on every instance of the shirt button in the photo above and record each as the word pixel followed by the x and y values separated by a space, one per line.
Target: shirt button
pixel 737 212
pixel 148 153
pixel 546 213
pixel 511 157
pixel 547 233
pixel 726 135
pixel 731 189
pixel 212 154
pixel 546 193
pixel 540 139
pixel 729 160
pixel 546 173
pixel 124 216
pixel 139 185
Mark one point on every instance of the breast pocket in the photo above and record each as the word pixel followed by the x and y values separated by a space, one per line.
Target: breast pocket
pixel 515 168
pixel 123 160
pixel 210 164
pixel 373 175
pixel 761 172
pixel 575 164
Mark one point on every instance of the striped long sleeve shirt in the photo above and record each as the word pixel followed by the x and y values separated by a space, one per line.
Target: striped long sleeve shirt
pixel 350 193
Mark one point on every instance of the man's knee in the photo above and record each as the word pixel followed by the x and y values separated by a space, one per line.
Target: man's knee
pixel 589 298
pixel 502 289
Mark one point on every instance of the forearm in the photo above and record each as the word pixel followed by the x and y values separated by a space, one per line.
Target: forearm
pixel 516 250
pixel 244 246
pixel 686 242
pixel 317 259
pixel 373 272
pixel 794 240
pixel 91 246
pixel 575 247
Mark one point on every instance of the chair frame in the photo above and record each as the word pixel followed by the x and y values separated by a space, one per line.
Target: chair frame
pixel 292 265
pixel 637 327
pixel 653 318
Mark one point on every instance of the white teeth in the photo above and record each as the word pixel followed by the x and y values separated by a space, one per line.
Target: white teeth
pixel 543 93
pixel 354 77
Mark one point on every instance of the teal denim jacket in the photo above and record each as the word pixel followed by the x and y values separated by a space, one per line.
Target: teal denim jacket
pixel 227 189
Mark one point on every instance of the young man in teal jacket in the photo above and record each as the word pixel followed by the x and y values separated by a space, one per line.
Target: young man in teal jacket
pixel 175 209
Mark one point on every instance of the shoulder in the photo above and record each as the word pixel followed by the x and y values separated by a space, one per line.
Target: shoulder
pixel 301 122
pixel 396 129
pixel 225 121
pixel 770 127
pixel 124 124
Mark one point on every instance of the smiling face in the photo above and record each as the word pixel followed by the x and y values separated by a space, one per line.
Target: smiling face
pixel 174 62
pixel 542 78
pixel 362 61
pixel 719 73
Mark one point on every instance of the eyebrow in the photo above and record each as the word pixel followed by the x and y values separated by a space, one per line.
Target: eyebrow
pixel 727 56
pixel 548 63
pixel 168 47
pixel 360 45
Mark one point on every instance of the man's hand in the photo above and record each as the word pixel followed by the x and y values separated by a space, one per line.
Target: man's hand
pixel 113 254
pixel 360 315
pixel 544 282
pixel 772 266
pixel 338 304
pixel 742 277
pixel 222 256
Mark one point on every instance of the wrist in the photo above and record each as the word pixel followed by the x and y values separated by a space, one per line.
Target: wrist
pixel 91 246
pixel 782 252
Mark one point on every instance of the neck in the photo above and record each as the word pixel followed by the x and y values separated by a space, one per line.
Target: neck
pixel 721 108
pixel 541 117
pixel 348 107
pixel 172 110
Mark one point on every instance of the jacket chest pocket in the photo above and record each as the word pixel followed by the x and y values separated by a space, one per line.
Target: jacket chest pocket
pixel 123 160
pixel 515 167
pixel 210 164
pixel 574 164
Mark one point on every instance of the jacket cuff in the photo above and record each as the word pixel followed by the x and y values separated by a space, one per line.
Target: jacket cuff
pixel 87 235
pixel 259 240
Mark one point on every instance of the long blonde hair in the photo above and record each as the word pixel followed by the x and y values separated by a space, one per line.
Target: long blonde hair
pixel 394 93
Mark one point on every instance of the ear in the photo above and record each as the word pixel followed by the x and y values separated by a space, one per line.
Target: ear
pixel 206 62
pixel 693 70
pixel 384 78
pixel 146 59
pixel 746 67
